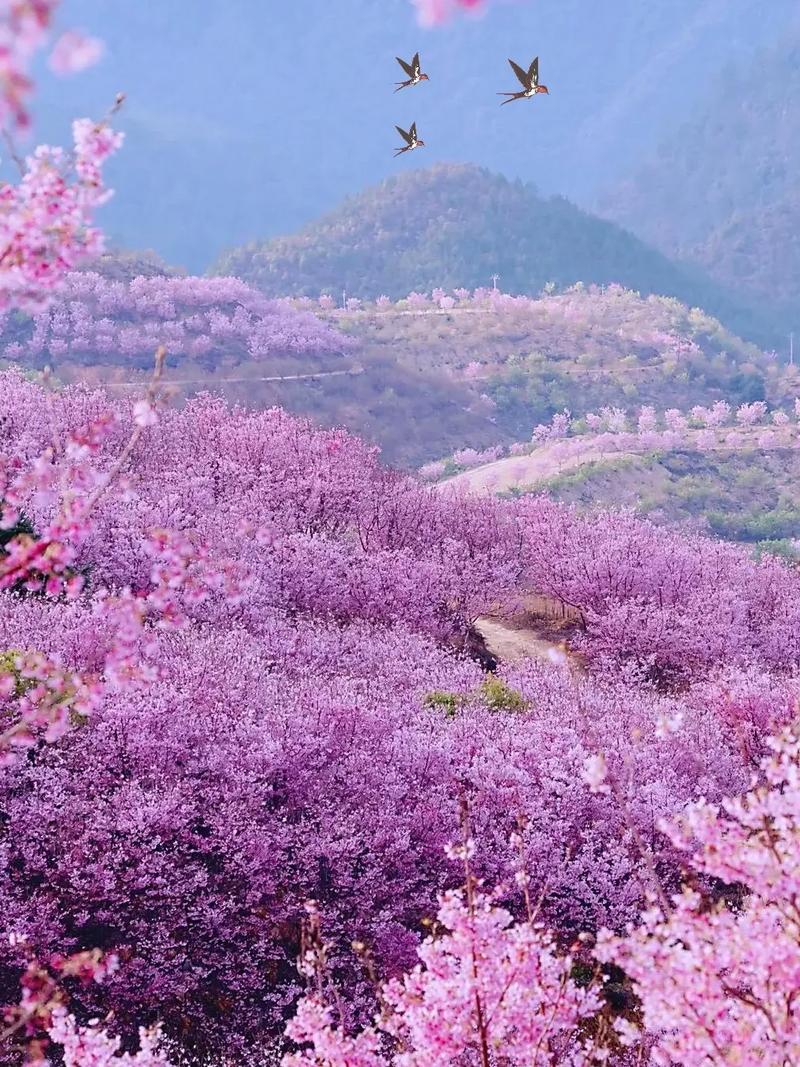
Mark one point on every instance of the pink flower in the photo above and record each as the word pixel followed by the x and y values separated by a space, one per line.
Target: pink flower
pixel 74 52
pixel 25 26
pixel 433 12
pixel 89 1046
pixel 595 772
pixel 46 221
pixel 144 413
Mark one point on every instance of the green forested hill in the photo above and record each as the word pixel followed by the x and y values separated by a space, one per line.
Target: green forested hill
pixel 750 496
pixel 455 225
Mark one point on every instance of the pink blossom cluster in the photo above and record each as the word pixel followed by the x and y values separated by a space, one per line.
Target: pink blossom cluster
pixel 43 995
pixel 305 734
pixel 609 428
pixel 487 987
pixel 609 432
pixel 24 30
pixel 718 984
pixel 46 226
pixel 557 429
pixel 91 1046
pixel 431 472
pixel 42 1018
pixel 711 973
pixel 433 12
pixel 471 457
pixel 24 26
pixel 74 52
pixel 95 318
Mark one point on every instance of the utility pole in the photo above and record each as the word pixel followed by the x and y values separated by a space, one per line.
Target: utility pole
pixel 494 280
pixel 791 349
pixel 344 298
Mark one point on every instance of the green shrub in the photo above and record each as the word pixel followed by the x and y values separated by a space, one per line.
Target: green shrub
pixel 497 696
pixel 7 666
pixel 784 548
pixel 447 702
pixel 23 685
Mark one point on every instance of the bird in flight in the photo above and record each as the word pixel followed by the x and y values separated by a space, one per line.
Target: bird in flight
pixel 529 79
pixel 411 139
pixel 412 69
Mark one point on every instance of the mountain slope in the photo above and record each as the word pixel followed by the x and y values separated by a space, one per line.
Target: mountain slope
pixel 722 190
pixel 750 496
pixel 455 225
pixel 757 253
pixel 272 112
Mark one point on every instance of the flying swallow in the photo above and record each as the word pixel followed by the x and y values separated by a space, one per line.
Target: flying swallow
pixel 412 69
pixel 411 139
pixel 529 80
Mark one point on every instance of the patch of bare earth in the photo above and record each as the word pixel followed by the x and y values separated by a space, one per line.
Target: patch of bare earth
pixel 543 627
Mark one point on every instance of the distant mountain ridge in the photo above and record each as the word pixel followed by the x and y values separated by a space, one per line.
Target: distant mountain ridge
pixel 722 190
pixel 456 225
pixel 270 113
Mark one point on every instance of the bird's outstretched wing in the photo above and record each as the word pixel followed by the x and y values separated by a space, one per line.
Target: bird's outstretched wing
pixel 407 67
pixel 413 132
pixel 520 73
pixel 533 73
pixel 415 65
pixel 407 137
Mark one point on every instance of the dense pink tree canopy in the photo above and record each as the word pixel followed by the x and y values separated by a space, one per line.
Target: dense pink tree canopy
pixel 238 725
pixel 97 320
pixel 307 733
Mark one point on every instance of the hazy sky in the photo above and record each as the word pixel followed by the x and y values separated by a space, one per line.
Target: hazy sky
pixel 246 118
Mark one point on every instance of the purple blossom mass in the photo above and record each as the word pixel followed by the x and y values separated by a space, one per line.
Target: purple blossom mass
pixel 312 762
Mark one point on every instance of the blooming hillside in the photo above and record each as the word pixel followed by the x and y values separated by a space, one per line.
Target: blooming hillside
pixel 424 375
pixel 527 358
pixel 455 225
pixel 299 726
pixel 98 320
pixel 265 794
pixel 750 496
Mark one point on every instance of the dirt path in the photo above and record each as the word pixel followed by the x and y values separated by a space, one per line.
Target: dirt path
pixel 214 381
pixel 510 645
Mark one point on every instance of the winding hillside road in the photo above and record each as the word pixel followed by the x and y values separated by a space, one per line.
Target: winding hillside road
pixel 548 461
pixel 213 381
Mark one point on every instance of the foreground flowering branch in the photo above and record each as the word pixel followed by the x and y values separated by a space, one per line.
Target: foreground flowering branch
pixel 40 696
pixel 45 562
pixel 720 983
pixel 42 1020
pixel 486 988
pixel 24 27
pixel 24 31
pixel 46 222
pixel 716 977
